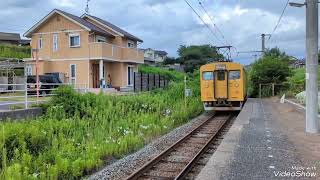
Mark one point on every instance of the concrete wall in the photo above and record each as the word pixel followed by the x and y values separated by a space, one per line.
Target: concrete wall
pixel 19 80
pixel 3 80
pixel 16 80
pixel 21 114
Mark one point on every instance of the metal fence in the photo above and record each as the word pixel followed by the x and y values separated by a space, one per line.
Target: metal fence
pixel 25 95
pixel 147 82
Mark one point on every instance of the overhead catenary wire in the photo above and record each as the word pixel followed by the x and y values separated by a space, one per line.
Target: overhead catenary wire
pixel 212 21
pixel 210 29
pixel 279 20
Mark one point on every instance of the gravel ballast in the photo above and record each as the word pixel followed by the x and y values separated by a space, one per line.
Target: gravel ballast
pixel 127 165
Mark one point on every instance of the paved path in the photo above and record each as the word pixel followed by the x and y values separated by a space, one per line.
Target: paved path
pixel 256 147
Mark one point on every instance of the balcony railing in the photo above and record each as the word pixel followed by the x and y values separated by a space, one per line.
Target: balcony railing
pixel 114 52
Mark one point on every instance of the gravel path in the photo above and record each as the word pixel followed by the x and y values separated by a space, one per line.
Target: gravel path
pixel 124 167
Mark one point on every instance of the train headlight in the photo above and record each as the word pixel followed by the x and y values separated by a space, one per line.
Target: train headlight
pixel 236 85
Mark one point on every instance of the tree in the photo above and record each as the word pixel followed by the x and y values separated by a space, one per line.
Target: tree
pixel 276 53
pixel 194 56
pixel 268 69
pixel 170 60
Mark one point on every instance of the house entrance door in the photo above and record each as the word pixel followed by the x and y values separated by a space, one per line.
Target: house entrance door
pixel 95 75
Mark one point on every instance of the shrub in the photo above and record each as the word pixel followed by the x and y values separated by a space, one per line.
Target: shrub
pixel 79 131
pixel 170 74
pixel 269 69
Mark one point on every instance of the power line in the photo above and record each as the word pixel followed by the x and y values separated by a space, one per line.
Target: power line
pixel 202 20
pixel 214 24
pixel 279 20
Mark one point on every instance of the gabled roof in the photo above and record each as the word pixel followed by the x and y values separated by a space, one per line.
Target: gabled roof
pixel 112 27
pixel 81 22
pixel 162 53
pixel 9 36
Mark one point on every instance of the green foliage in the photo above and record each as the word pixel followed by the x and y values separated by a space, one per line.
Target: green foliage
pixel 276 53
pixel 297 81
pixel 170 74
pixel 268 69
pixel 13 51
pixel 80 131
pixel 170 60
pixel 195 56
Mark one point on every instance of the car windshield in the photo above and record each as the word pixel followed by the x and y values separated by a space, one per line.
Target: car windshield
pixel 31 80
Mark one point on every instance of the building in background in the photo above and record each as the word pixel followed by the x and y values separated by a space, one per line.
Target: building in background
pixel 13 39
pixel 86 49
pixel 298 63
pixel 9 38
pixel 153 57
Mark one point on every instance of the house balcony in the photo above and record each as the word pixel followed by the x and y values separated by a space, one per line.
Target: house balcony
pixel 102 50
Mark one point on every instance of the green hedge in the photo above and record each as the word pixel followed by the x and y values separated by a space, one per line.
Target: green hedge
pixel 170 74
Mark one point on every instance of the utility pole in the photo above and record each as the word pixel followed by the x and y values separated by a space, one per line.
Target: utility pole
pixel 263 41
pixel 228 49
pixel 312 121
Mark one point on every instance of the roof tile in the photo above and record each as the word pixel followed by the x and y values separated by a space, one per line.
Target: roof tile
pixel 116 28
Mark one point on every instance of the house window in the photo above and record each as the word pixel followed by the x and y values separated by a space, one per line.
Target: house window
pixel 40 42
pixel 130 44
pixel 101 39
pixel 55 42
pixel 73 72
pixel 74 40
pixel 28 70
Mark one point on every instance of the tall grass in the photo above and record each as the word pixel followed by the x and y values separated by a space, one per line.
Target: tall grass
pixel 13 51
pixel 80 131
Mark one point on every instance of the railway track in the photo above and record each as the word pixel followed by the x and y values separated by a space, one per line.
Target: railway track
pixel 177 161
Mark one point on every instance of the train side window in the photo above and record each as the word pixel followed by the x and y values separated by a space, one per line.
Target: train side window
pixel 233 75
pixel 207 76
pixel 221 75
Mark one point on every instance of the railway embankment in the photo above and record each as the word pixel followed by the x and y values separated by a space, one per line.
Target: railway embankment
pixel 122 168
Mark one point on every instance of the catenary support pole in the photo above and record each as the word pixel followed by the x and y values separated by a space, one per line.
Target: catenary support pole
pixel 263 40
pixel 312 122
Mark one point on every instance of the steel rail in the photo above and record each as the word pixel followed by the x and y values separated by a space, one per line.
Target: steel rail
pixel 148 166
pixel 189 166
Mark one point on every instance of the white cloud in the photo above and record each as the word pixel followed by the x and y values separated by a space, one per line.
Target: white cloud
pixel 64 3
pixel 166 24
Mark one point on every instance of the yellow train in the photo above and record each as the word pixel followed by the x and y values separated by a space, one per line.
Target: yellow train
pixel 223 86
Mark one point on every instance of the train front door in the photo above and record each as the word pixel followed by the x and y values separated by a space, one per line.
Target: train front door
pixel 221 84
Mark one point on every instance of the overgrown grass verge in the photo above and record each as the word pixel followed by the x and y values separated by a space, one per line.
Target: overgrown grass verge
pixel 80 131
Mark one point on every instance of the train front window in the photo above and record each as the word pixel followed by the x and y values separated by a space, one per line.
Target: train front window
pixel 221 75
pixel 207 76
pixel 233 75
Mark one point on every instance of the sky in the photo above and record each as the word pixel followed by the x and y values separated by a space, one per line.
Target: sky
pixel 167 24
